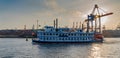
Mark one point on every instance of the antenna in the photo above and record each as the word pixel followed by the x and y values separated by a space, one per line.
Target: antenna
pixel 37 24
pixel 24 27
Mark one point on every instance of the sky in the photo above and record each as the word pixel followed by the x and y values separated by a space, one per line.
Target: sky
pixel 17 13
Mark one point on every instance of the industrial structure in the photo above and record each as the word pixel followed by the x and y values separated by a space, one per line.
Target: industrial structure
pixel 94 19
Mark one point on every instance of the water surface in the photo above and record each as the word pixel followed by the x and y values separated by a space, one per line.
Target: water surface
pixel 20 48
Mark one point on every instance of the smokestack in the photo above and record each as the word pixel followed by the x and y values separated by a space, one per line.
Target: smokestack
pixel 76 25
pixel 73 24
pixel 80 25
pixel 54 24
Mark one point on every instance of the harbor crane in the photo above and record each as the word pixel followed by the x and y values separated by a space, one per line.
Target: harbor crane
pixel 94 19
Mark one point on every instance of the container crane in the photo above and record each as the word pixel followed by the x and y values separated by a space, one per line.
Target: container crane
pixel 94 17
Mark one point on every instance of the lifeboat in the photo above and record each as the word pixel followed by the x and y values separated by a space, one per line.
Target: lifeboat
pixel 98 36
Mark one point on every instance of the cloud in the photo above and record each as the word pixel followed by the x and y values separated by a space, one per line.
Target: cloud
pixel 53 6
pixel 18 12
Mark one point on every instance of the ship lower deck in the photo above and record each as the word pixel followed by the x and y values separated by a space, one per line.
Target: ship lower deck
pixel 66 41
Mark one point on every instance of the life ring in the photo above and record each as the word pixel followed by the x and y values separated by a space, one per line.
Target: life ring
pixel 33 34
pixel 98 36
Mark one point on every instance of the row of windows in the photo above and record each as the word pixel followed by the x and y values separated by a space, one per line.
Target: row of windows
pixel 72 34
pixel 45 38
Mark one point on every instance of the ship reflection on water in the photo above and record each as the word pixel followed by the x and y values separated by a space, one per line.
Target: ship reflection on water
pixel 71 50
pixel 64 50
pixel 19 48
pixel 106 49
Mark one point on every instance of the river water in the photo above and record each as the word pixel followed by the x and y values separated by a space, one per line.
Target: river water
pixel 20 48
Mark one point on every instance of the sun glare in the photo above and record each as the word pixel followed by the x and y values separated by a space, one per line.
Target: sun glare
pixel 103 20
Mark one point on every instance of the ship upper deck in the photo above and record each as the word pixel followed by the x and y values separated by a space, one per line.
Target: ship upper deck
pixel 51 29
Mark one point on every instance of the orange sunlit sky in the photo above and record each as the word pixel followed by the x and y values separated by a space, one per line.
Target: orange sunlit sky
pixel 17 13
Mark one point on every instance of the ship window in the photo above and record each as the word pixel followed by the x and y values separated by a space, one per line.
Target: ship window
pixel 71 34
pixel 53 34
pixel 74 34
pixel 52 38
pixel 84 34
pixel 47 34
pixel 59 38
pixel 63 38
pixel 76 38
pixel 46 38
pixel 50 34
pixel 72 38
pixel 83 38
pixel 77 34
pixel 68 38
pixel 40 33
pixel 89 34
pixel 80 34
pixel 43 33
pixel 56 34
